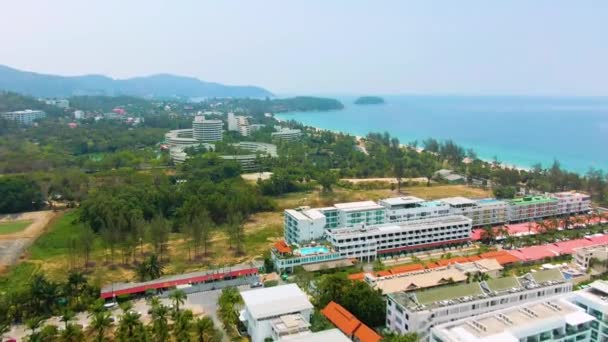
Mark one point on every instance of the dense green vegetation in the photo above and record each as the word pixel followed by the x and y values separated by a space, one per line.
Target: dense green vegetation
pixel 19 194
pixel 369 100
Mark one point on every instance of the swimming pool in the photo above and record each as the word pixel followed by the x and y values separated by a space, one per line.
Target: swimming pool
pixel 313 250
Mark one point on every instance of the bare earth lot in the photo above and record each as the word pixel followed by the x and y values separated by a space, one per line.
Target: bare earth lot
pixel 12 245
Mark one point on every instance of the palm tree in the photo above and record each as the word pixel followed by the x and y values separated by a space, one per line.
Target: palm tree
pixel 155 268
pixel 205 330
pixel 33 324
pixel 72 333
pixel 182 325
pixel 177 297
pixel 160 325
pixel 4 328
pixel 130 328
pixel 67 317
pixel 100 323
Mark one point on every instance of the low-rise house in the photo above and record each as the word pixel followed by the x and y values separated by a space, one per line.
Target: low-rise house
pixel 275 311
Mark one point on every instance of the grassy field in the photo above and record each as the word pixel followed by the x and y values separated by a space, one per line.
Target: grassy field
pixel 52 252
pixel 14 227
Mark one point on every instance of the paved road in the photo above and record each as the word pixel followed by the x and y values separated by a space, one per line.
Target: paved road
pixel 207 301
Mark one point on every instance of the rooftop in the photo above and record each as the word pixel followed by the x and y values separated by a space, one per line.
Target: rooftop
pixel 549 275
pixel 355 206
pixel 275 301
pixel 532 200
pixel 448 293
pixel 404 226
pixel 514 323
pixel 349 324
pixel 402 200
pixel 333 335
pixel 503 284
pixel 453 201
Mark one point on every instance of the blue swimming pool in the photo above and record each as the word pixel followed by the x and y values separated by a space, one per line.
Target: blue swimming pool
pixel 313 250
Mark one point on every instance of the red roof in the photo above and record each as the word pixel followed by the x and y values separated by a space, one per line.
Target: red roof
pixel 349 324
pixel 454 260
pixel 534 253
pixel 109 292
pixel 366 334
pixel 341 318
pixel 282 247
pixel 407 268
pixel 356 276
pixel 567 247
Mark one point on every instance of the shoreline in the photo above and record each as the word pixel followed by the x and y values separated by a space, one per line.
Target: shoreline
pixel 358 138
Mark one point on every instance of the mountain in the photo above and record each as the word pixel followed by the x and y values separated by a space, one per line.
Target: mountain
pixel 161 85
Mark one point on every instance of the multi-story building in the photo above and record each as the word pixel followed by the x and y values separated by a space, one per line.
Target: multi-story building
pixel 594 300
pixel 420 311
pixel 263 307
pixel 483 212
pixel 400 209
pixel 367 242
pixel 286 134
pixel 232 122
pixel 206 130
pixel 570 202
pixel 25 117
pixel 238 123
pixel 531 208
pixel 180 137
pixel 583 256
pixel 549 319
pixel 305 224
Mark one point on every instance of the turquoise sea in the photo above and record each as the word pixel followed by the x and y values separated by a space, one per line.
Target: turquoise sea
pixel 518 131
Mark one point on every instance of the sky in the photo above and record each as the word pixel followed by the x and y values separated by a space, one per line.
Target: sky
pixel 467 47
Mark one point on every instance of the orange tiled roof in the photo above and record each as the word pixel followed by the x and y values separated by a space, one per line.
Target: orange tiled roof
pixel 406 268
pixel 366 334
pixel 356 276
pixel 349 324
pixel 341 318
pixel 282 247
pixel 382 273
pixel 502 257
pixel 445 262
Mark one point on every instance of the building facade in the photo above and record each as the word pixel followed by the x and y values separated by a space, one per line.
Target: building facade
pixel 206 130
pixel 420 311
pixel 483 212
pixel 25 117
pixel 531 208
pixel 286 134
pixel 263 307
pixel 570 202
pixel 366 243
pixel 400 209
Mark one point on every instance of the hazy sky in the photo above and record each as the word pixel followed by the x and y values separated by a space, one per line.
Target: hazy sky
pixel 321 46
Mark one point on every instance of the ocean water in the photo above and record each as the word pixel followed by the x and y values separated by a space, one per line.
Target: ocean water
pixel 518 131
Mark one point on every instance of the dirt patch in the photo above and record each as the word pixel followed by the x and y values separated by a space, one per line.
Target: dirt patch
pixel 12 245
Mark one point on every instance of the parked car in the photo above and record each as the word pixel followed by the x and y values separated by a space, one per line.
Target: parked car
pixel 256 284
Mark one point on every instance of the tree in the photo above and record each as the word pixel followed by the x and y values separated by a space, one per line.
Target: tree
pixel 409 337
pixel 327 179
pixel 206 331
pixel 236 231
pixel 130 328
pixel 199 230
pixel 159 234
pixel 72 333
pixel 100 324
pixel 150 268
pixel 399 171
pixel 178 297
pixel 160 326
pixel 86 240
pixel 67 316
pixel 182 325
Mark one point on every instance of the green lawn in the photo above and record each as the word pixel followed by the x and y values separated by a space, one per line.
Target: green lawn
pixel 448 293
pixel 14 227
pixel 57 240
pixel 19 276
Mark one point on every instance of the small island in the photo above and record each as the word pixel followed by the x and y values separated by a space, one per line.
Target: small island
pixel 369 100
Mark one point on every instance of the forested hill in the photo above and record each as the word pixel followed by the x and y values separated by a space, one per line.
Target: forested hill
pixel 162 85
pixel 290 104
pixel 11 101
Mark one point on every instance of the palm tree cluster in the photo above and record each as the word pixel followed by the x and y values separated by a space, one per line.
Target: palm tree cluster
pixel 228 303
pixel 168 323
pixel 150 268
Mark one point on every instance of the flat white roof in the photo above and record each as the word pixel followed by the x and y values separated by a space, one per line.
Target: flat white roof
pixel 314 214
pixel 275 301
pixel 333 335
pixel 458 200
pixel 402 200
pixel 404 226
pixel 363 205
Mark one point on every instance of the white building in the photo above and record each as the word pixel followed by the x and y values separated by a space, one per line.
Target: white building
pixel 594 300
pixel 232 122
pixel 305 224
pixel 583 255
pixel 78 114
pixel 206 130
pixel 180 137
pixel 422 310
pixel 367 243
pixel 531 208
pixel 400 209
pixel 550 319
pixel 25 117
pixel 571 202
pixel 286 134
pixel 483 212
pixel 61 103
pixel 267 311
